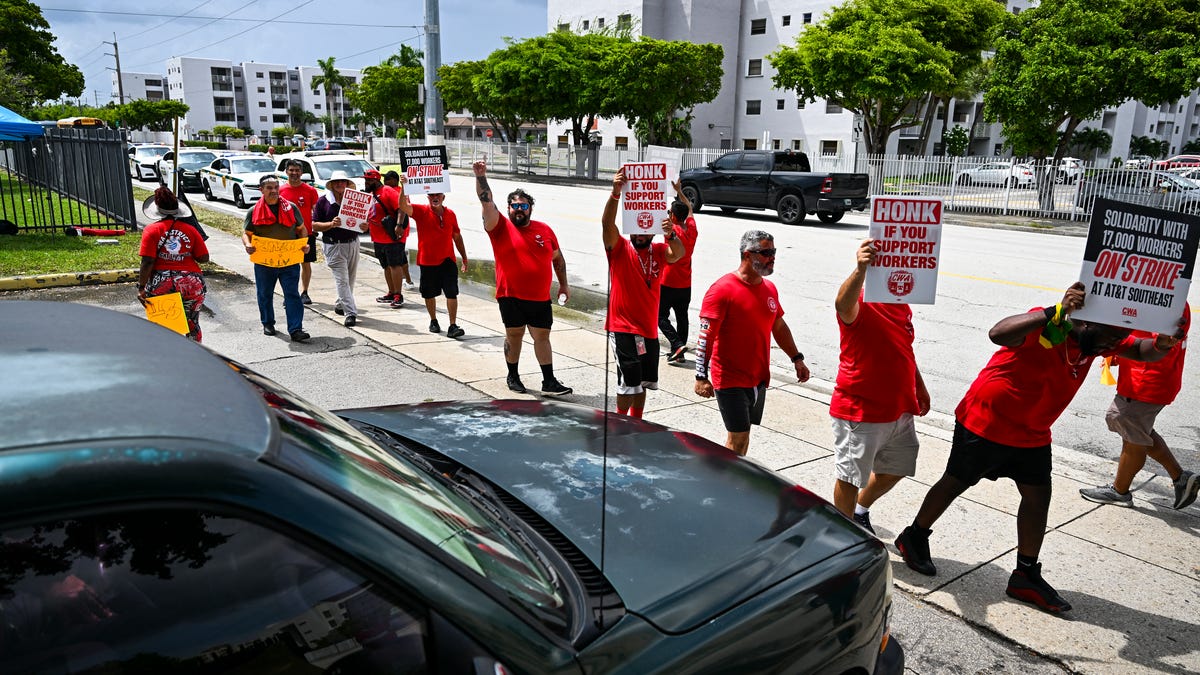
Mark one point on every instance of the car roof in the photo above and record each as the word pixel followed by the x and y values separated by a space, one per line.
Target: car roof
pixel 86 375
pixel 319 155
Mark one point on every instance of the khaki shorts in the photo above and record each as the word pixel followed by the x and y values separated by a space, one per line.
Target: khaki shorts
pixel 1132 420
pixel 883 447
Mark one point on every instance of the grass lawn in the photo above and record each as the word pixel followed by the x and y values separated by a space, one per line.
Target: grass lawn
pixel 46 253
pixel 39 201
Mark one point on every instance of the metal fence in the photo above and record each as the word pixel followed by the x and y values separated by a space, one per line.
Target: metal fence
pixel 69 177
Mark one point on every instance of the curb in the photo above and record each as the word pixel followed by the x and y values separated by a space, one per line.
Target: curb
pixel 68 279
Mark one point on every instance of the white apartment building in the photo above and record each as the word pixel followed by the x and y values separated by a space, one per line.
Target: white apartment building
pixel 138 86
pixel 212 90
pixel 314 101
pixel 749 112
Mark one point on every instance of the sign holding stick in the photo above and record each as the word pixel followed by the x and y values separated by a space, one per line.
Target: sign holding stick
pixel 908 237
pixel 167 311
pixel 356 204
pixel 1137 266
pixel 278 252
pixel 426 169
pixel 646 198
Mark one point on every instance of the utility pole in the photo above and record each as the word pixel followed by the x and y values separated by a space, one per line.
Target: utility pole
pixel 434 130
pixel 117 55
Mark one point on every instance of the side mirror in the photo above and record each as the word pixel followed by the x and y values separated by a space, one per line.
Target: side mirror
pixel 712 165
pixel 131 151
pixel 306 177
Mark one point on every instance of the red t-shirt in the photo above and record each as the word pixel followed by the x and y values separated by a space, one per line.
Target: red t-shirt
pixel 877 371
pixel 524 259
pixel 173 244
pixel 679 273
pixel 390 197
pixel 1158 382
pixel 305 197
pixel 633 300
pixel 740 346
pixel 1022 391
pixel 435 235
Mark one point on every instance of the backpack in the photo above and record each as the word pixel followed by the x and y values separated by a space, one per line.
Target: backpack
pixel 391 220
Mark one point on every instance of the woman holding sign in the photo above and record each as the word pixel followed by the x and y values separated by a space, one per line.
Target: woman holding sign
pixel 172 251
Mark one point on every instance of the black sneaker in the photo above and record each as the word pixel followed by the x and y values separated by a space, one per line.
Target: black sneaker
pixel 385 299
pixel 914 548
pixel 864 520
pixel 397 301
pixel 555 388
pixel 514 384
pixel 268 329
pixel 304 298
pixel 338 310
pixel 351 321
pixel 455 331
pixel 434 327
pixel 1185 489
pixel 300 336
pixel 1027 585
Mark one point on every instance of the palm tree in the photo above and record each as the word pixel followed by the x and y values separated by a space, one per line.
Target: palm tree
pixel 407 57
pixel 330 80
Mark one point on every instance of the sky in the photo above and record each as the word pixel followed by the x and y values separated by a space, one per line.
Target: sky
pixel 255 30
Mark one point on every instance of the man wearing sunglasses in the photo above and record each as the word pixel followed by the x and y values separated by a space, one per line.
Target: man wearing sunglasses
pixel 739 316
pixel 525 251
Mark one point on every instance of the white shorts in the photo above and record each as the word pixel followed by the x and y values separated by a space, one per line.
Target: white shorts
pixel 883 447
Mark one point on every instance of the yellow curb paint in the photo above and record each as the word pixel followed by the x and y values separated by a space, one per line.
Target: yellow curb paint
pixel 68 279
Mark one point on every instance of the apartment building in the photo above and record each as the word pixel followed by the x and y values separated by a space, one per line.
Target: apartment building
pixel 139 86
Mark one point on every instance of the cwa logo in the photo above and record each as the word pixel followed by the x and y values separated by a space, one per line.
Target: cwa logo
pixel 900 283
pixel 1129 311
pixel 645 220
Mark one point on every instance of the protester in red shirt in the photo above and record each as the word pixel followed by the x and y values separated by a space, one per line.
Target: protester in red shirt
pixel 676 292
pixel 635 268
pixel 388 225
pixel 1143 390
pixel 739 316
pixel 878 390
pixel 392 180
pixel 171 252
pixel 437 236
pixel 1002 428
pixel 305 196
pixel 525 251
pixel 276 218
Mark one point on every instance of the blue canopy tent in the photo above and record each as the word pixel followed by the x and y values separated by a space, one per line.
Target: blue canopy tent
pixel 13 127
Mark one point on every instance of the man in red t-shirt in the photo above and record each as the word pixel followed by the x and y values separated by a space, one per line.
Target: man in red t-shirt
pixel 437 236
pixel 878 390
pixel 525 251
pixel 635 272
pixel 392 180
pixel 305 196
pixel 387 224
pixel 1143 390
pixel 1002 428
pixel 676 292
pixel 738 318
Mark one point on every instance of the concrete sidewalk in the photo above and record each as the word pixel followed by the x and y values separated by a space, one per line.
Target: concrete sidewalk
pixel 1133 575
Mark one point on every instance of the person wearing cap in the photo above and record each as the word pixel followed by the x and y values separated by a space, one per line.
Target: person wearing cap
pixel 341 244
pixel 525 251
pixel 635 270
pixel 392 180
pixel 276 218
pixel 296 191
pixel 387 224
pixel 437 236
pixel 171 252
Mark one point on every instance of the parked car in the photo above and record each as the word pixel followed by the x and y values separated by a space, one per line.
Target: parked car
pixel 1068 170
pixel 1160 189
pixel 236 177
pixel 143 161
pixel 1190 173
pixel 778 180
pixel 224 524
pixel 1176 162
pixel 1139 162
pixel 325 144
pixel 190 163
pixel 997 173
pixel 319 166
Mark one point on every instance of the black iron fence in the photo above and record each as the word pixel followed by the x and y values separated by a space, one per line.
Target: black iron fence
pixel 69 177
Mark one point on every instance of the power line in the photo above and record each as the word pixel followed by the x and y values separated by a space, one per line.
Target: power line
pixel 169 20
pixel 375 49
pixel 272 19
pixel 176 37
pixel 225 18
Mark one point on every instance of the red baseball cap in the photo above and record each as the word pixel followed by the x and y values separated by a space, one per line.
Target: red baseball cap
pixel 372 173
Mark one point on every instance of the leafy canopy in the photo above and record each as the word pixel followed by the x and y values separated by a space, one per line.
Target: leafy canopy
pixel 25 35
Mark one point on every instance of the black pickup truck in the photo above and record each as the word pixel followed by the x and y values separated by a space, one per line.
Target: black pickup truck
pixel 780 180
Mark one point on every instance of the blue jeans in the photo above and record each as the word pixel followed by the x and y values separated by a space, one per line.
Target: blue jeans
pixel 289 280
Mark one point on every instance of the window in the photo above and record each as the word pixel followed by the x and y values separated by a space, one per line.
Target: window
pixel 624 22
pixel 600 22
pixel 797 144
pixel 775 144
pixel 586 24
pixel 238 88
pixel 807 18
pixel 779 104
pixel 316 106
pixel 832 108
pixel 753 107
pixel 726 163
pixel 1016 10
pixel 158 83
pixel 829 147
pixel 258 75
pixel 563 141
pixel 621 142
pixel 749 143
pixel 754 68
pixel 754 161
pixel 262 104
pixel 800 103
pixel 787 19
pixel 941 112
pixel 262 118
pixel 564 27
pixel 262 90
pixel 758 26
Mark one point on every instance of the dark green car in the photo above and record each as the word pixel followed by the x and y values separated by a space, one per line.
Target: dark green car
pixel 167 511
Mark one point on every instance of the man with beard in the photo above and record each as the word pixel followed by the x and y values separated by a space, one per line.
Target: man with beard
pixel 525 251
pixel 635 270
pixel 1002 428
pixel 276 218
pixel 738 317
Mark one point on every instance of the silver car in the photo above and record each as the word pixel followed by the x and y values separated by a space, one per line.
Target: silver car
pixel 996 173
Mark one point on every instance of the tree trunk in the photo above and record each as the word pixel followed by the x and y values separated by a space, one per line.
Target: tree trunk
pixel 927 123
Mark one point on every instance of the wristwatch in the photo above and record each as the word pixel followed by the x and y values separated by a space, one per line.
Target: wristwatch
pixel 702 378
pixel 798 357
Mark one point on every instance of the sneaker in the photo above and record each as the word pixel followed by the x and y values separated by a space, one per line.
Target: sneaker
pixel 555 388
pixel 434 327
pixel 351 321
pixel 455 331
pixel 304 298
pixel 338 310
pixel 410 286
pixel 397 301
pixel 677 354
pixel 1028 586
pixel 864 520
pixel 514 384
pixel 1106 494
pixel 914 548
pixel 300 336
pixel 385 299
pixel 268 329
pixel 1186 488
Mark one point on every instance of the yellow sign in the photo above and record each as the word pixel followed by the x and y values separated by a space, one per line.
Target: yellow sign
pixel 278 252
pixel 167 311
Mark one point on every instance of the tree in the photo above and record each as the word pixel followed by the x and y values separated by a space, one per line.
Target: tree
pixel 331 80
pixel 472 85
pixel 655 84
pixel 406 57
pixel 1087 142
pixel 153 115
pixel 301 118
pixel 1192 147
pixel 388 91
pixel 1145 145
pixel 25 35
pixel 16 90
pixel 957 141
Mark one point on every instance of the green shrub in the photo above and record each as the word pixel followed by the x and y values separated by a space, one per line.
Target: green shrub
pixel 211 145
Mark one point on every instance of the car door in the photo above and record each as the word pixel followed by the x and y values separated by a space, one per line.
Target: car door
pixel 719 189
pixel 221 185
pixel 166 165
pixel 748 184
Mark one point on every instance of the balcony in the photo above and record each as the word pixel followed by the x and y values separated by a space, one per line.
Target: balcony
pixel 221 87
pixel 223 109
pixel 221 79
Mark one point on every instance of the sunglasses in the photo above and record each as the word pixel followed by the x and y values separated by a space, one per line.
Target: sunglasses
pixel 766 252
pixel 519 207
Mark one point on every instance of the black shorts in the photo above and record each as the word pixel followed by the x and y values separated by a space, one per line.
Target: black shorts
pixel 516 313
pixel 637 363
pixel 742 406
pixel 311 256
pixel 391 255
pixel 973 457
pixel 440 279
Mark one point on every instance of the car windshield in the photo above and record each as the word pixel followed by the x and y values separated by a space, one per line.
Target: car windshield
pixel 326 450
pixel 151 153
pixel 194 160
pixel 252 165
pixel 352 167
pixel 1179 181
